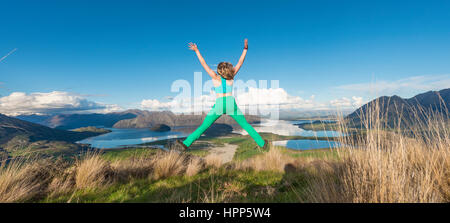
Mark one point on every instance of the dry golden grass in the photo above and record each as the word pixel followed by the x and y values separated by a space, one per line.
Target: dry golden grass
pixel 93 172
pixel 22 180
pixel 194 166
pixel 213 160
pixel 381 166
pixel 133 167
pixel 410 172
pixel 63 182
pixel 168 164
pixel 273 160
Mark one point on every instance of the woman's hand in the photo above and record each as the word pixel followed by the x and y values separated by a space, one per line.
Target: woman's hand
pixel 193 46
pixel 241 60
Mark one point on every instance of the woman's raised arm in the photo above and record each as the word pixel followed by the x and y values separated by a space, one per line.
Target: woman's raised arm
pixel 242 58
pixel 211 73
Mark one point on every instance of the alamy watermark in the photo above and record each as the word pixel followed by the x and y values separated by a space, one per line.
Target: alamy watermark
pixel 199 97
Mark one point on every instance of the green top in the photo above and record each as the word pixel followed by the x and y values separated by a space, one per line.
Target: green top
pixel 223 88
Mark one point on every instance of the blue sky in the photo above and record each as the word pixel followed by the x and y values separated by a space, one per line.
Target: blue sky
pixel 124 52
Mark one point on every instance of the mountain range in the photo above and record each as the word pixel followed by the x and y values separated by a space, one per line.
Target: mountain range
pixel 18 137
pixel 149 118
pixel 132 118
pixel 411 110
pixel 72 121
pixel 11 127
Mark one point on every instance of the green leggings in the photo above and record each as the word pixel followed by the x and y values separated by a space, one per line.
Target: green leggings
pixel 224 105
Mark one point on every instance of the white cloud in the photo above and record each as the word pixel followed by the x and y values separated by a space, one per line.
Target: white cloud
pixel 154 104
pixel 53 102
pixel 406 87
pixel 108 108
pixel 346 102
pixel 254 99
pixel 262 98
pixel 272 98
pixel 357 101
pixel 180 104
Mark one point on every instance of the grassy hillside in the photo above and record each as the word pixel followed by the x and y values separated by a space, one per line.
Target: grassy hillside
pixel 22 138
pixel 11 127
pixel 395 111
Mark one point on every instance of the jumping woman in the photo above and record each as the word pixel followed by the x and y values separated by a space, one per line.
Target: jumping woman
pixel 225 102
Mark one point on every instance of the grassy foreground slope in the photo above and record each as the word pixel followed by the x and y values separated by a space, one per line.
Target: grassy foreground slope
pixel 172 177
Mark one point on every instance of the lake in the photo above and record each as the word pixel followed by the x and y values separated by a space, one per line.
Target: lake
pixel 128 137
pixel 306 144
pixel 287 128
pixel 124 137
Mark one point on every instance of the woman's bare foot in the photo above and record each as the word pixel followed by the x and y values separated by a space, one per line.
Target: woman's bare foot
pixel 266 145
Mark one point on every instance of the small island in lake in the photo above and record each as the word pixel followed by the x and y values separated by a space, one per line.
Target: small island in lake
pixel 92 129
pixel 160 128
pixel 319 125
pixel 218 129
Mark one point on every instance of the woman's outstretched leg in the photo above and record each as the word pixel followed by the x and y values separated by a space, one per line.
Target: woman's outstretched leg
pixel 237 115
pixel 210 118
